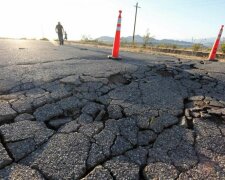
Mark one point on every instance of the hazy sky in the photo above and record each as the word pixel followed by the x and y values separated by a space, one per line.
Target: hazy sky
pixel 177 19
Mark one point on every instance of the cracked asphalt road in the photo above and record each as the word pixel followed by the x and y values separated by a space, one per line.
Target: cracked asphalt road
pixel 70 113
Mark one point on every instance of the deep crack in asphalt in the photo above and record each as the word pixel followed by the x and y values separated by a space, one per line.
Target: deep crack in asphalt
pixel 140 122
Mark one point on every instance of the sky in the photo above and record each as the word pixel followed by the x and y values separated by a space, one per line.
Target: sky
pixel 165 19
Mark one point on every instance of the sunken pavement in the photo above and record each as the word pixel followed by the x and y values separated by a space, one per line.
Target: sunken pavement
pixel 114 120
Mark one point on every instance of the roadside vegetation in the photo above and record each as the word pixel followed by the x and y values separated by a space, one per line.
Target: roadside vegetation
pixel 197 49
pixel 44 39
pixel 147 38
pixel 223 47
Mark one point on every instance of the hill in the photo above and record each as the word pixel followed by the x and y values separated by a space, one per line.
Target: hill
pixel 139 40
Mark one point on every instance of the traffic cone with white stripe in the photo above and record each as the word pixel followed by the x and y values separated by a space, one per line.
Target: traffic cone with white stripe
pixel 116 43
pixel 212 55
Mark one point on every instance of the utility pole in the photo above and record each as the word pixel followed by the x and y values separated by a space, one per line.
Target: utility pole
pixel 135 20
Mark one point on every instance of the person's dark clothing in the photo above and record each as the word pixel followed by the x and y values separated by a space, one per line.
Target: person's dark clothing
pixel 59 30
pixel 60 36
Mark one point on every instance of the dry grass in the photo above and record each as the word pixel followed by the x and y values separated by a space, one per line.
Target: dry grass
pixel 140 50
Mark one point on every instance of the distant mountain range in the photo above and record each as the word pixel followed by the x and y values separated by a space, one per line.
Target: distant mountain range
pixel 205 41
pixel 139 39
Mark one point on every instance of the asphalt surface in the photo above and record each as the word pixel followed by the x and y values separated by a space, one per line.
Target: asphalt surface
pixel 68 112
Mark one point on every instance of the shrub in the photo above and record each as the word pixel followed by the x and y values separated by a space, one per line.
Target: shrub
pixel 223 47
pixel 196 47
pixel 174 46
pixel 85 38
pixel 146 38
pixel 44 39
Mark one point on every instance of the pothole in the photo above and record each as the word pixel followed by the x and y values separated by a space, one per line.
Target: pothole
pixel 165 73
pixel 192 66
pixel 118 79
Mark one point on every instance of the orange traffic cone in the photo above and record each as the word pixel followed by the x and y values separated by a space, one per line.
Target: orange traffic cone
pixel 116 43
pixel 212 54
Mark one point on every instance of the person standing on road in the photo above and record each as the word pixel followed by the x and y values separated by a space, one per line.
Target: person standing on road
pixel 59 30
